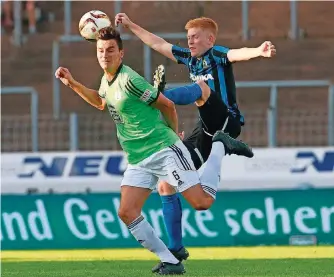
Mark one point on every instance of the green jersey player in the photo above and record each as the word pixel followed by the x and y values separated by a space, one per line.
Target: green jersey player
pixel 129 100
pixel 147 129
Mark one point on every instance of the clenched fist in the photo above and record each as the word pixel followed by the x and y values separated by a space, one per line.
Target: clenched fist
pixel 64 75
pixel 122 18
pixel 267 49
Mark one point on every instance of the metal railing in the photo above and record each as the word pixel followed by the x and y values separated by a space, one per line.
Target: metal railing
pixel 271 111
pixel 272 118
pixel 95 131
pixel 293 33
pixel 33 109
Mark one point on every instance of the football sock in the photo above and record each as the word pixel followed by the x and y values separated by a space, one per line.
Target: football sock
pixel 210 170
pixel 146 236
pixel 172 211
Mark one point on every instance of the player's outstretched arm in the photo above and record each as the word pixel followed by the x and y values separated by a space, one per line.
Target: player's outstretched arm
pixel 168 110
pixel 89 95
pixel 153 41
pixel 266 49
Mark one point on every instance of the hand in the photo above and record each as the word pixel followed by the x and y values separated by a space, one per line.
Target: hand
pixel 64 75
pixel 267 49
pixel 181 135
pixel 122 18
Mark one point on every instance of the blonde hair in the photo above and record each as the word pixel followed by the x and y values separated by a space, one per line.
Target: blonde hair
pixel 203 23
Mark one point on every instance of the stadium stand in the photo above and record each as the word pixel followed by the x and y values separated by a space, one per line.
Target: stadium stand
pixel 302 112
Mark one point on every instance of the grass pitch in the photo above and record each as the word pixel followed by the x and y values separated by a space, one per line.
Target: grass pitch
pixel 204 262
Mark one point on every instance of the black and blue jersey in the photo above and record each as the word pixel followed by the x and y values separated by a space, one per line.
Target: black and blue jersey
pixel 216 70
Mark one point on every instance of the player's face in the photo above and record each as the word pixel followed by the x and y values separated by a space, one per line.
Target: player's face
pixel 108 54
pixel 199 41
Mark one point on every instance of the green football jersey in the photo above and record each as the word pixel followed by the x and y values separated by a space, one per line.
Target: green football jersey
pixel 141 130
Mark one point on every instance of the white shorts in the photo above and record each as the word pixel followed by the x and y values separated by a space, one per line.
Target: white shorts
pixel 172 164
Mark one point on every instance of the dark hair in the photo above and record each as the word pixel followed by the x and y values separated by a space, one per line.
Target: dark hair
pixel 110 33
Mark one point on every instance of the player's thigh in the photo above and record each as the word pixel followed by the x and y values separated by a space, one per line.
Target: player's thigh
pixel 140 177
pixel 204 145
pixel 213 114
pixel 199 145
pixel 137 184
pixel 177 168
pixel 192 138
pixel 195 154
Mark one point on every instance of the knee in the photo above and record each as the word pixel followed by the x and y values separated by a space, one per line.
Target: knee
pixel 128 215
pixel 123 214
pixel 203 204
pixel 206 91
pixel 165 189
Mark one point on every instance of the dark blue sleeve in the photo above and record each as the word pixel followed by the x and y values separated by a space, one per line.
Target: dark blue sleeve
pixel 220 54
pixel 182 55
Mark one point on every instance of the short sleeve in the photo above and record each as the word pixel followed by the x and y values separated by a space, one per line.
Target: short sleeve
pixel 182 55
pixel 220 54
pixel 139 88
pixel 102 89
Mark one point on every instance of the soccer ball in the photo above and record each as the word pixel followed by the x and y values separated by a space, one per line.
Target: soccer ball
pixel 91 23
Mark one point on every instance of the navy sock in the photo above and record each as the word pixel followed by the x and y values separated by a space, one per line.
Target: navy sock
pixel 172 211
pixel 184 95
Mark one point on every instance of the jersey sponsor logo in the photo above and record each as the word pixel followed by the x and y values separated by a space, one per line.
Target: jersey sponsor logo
pixel 61 166
pixel 308 160
pixel 115 115
pixel 205 77
pixel 146 95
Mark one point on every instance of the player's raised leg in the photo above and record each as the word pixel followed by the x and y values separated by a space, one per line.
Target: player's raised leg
pixel 182 174
pixel 197 93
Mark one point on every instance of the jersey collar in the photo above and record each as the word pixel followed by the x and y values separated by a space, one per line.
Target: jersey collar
pixel 204 54
pixel 116 75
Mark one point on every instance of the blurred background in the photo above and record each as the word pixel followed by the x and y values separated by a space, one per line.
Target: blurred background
pixel 282 113
pixel 287 101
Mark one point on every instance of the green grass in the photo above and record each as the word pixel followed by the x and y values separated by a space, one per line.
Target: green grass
pixel 218 262
pixel 199 268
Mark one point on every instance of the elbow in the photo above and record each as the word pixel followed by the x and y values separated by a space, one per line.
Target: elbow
pixel 171 106
pixel 100 107
pixel 164 105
